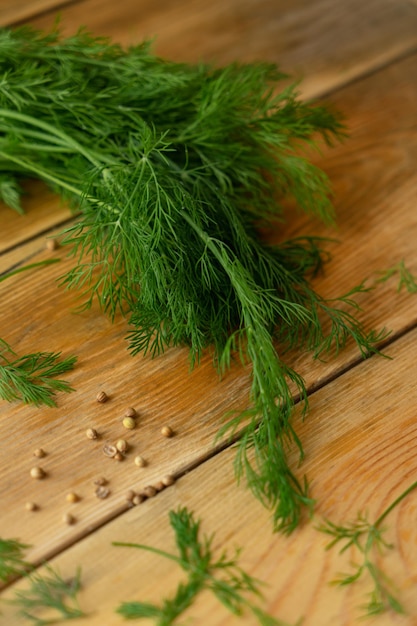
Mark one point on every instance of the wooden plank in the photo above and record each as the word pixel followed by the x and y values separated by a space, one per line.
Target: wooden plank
pixel 43 211
pixel 326 42
pixel 361 454
pixel 162 390
pixel 20 10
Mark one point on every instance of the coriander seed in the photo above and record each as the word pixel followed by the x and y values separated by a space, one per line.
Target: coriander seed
pixel 168 480
pixel 52 244
pixel 109 450
pixel 101 481
pixel 72 497
pixel 37 472
pixel 39 453
pixel 102 492
pixel 130 412
pixel 138 499
pixel 91 433
pixel 118 456
pixel 122 445
pixel 140 461
pixel 69 519
pixel 167 431
pixel 159 486
pixel 129 423
pixel 149 491
pixel 102 397
pixel 31 506
pixel 130 494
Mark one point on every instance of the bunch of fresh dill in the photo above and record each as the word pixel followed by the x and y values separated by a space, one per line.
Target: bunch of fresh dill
pixel 172 167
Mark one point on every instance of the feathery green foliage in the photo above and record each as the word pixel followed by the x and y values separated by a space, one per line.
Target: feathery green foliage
pixel 172 168
pixel 50 598
pixel 222 576
pixel 32 377
pixel 367 538
pixel 12 562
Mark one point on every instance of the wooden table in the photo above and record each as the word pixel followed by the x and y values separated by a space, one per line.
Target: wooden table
pixel 360 433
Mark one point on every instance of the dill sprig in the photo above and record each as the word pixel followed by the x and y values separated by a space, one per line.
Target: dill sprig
pixel 50 599
pixel 367 537
pixel 172 168
pixel 222 576
pixel 32 378
pixel 12 562
pixel 406 280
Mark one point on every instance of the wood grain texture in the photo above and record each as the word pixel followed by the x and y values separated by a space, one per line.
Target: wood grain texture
pixel 12 11
pixel 361 454
pixel 325 42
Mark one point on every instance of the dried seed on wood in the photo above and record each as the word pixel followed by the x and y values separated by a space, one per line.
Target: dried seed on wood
pixel 37 472
pixel 102 397
pixel 109 450
pixel 168 480
pixel 102 492
pixel 129 423
pixel 167 431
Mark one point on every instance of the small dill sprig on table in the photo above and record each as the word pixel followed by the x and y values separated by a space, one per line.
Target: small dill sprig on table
pixel 222 576
pixel 172 168
pixel 32 378
pixel 367 537
pixel 50 599
pixel 12 562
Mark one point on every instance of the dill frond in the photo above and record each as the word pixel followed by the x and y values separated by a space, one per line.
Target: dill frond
pixel 222 576
pixel 367 537
pixel 12 561
pixel 32 378
pixel 50 598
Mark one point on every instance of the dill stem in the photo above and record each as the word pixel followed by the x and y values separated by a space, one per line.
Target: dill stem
pixel 53 131
pixel 394 504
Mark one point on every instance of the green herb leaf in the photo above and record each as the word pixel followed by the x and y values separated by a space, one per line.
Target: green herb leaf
pixel 223 576
pixel 32 377
pixel 367 537
pixel 12 561
pixel 50 599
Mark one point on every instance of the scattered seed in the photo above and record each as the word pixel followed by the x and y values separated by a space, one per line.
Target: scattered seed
pixel 40 453
pixel 52 244
pixel 72 497
pixel 109 450
pixel 69 519
pixel 91 433
pixel 130 412
pixel 138 499
pixel 101 481
pixel 31 506
pixel 168 480
pixel 102 492
pixel 37 472
pixel 118 456
pixel 129 422
pixel 130 495
pixel 122 445
pixel 149 491
pixel 159 486
pixel 140 461
pixel 167 431
pixel 102 397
